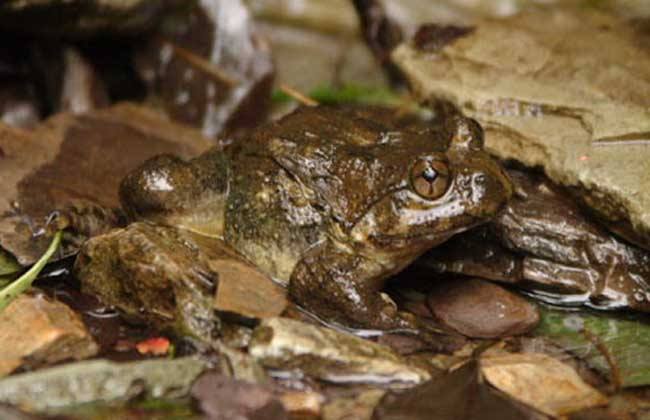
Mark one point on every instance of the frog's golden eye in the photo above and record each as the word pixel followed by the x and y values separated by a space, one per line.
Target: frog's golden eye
pixel 429 178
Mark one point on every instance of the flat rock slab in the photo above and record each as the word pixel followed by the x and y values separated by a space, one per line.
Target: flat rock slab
pixel 36 330
pixel 480 309
pixel 100 381
pixel 330 355
pixel 77 161
pixel 565 91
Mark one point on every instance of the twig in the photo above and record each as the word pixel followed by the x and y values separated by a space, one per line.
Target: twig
pixel 298 96
pixel 615 371
pixel 201 63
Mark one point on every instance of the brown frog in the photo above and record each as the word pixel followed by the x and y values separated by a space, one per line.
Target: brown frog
pixel 544 243
pixel 331 201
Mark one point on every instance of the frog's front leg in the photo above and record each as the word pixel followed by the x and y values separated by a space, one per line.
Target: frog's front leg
pixel 346 288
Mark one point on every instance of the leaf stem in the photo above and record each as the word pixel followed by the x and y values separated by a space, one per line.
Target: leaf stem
pixel 23 283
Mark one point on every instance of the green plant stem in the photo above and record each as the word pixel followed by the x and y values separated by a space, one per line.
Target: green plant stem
pixel 23 283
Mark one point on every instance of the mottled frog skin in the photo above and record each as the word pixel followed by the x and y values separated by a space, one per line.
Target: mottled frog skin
pixel 331 201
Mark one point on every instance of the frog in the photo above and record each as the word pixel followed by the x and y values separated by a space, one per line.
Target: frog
pixel 549 246
pixel 331 201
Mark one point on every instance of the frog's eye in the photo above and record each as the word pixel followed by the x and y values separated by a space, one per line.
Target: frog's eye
pixel 429 178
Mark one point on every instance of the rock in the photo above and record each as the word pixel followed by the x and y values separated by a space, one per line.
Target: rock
pixel 75 164
pixel 209 67
pixel 81 18
pixel 100 381
pixel 358 407
pixel 35 330
pixel 245 290
pixel 153 274
pixel 240 365
pixel 283 343
pixel 303 404
pixel 318 43
pixel 476 253
pixel 544 243
pixel 8 412
pixel 224 398
pixel 540 381
pixel 174 278
pixel 307 59
pixel 480 309
pixel 563 96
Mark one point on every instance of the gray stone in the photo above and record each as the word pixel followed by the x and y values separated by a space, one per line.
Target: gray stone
pixel 330 355
pixel 100 381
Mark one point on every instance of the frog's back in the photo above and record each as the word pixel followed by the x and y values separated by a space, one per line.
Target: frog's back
pixel 314 174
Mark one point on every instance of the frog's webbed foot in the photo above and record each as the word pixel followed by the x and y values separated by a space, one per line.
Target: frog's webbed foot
pixel 81 220
pixel 344 288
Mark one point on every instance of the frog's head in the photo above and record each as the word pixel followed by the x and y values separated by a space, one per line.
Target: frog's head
pixel 447 185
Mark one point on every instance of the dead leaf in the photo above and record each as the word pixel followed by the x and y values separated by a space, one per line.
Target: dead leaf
pixel 156 346
pixel 77 161
pixel 540 381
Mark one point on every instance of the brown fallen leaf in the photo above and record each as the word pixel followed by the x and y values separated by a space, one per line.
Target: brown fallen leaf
pixel 540 381
pixel 35 330
pixel 78 162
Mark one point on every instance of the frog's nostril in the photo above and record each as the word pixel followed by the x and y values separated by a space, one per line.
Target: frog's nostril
pixel 480 179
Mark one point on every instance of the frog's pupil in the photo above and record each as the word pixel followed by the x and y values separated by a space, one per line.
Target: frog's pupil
pixel 429 174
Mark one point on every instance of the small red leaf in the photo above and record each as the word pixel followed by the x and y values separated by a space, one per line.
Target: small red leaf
pixel 156 346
